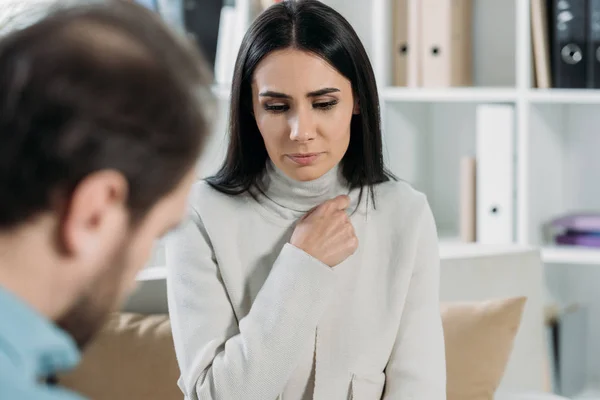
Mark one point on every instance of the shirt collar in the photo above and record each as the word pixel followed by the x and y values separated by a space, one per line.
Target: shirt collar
pixel 31 342
pixel 285 195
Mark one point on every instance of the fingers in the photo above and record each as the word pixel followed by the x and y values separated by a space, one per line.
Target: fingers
pixel 341 202
pixel 309 213
pixel 353 244
pixel 340 218
pixel 340 226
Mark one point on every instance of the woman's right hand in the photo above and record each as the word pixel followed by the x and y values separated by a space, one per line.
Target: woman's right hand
pixel 326 232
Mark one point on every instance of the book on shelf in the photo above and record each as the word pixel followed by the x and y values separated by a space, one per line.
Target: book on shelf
pixel 432 43
pixel 197 19
pixel 216 26
pixel 540 44
pixel 575 229
pixel 468 199
pixel 235 18
pixel 566 43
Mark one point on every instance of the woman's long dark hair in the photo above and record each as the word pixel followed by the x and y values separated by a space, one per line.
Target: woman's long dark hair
pixel 311 26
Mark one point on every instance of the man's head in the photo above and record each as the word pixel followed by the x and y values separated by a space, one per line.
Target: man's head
pixel 102 117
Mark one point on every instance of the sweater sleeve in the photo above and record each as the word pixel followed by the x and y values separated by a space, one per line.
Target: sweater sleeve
pixel 417 367
pixel 221 357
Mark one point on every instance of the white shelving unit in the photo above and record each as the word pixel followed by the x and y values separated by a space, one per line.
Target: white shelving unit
pixel 427 131
pixel 570 255
pixel 392 94
pixel 563 96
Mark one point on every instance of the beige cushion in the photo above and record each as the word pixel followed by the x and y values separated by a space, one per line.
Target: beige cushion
pixel 479 339
pixel 133 358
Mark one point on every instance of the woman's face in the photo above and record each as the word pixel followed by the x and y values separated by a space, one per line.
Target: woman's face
pixel 303 108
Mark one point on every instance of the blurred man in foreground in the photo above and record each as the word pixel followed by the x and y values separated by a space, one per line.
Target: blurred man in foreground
pixel 103 113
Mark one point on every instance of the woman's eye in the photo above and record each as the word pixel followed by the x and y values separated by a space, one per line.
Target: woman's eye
pixel 326 105
pixel 277 108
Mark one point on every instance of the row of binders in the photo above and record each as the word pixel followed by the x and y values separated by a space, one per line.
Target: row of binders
pixel 566 43
pixel 235 17
pixel 487 202
pixel 432 43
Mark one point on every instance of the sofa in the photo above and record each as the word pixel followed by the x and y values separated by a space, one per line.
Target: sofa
pixel 475 273
pixel 492 304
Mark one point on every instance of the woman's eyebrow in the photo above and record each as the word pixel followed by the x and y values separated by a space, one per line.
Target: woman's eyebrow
pixel 315 93
pixel 322 92
pixel 278 95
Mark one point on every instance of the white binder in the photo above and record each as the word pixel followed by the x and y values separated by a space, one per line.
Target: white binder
pixel 227 46
pixel 233 24
pixel 495 126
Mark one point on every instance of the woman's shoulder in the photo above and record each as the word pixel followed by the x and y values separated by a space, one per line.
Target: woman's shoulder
pixel 395 195
pixel 400 202
pixel 205 198
pixel 403 211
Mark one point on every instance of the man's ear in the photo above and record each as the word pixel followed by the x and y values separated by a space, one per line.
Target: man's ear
pixel 96 209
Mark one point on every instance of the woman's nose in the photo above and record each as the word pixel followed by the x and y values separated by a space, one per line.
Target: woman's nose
pixel 302 127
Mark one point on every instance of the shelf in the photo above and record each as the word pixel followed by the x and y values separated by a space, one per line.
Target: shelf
pixel 591 393
pixel 470 95
pixel 564 96
pixel 457 94
pixel 450 248
pixel 571 255
pixel 152 274
pixel 453 249
pixel 425 95
pixel 447 239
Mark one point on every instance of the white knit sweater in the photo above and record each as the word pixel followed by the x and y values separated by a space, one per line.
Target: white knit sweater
pixel 255 318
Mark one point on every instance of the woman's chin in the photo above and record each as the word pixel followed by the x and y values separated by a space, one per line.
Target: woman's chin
pixel 304 176
pixel 305 173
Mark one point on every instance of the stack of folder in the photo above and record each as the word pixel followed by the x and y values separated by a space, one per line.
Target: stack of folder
pixel 566 43
pixel 432 43
pixel 577 230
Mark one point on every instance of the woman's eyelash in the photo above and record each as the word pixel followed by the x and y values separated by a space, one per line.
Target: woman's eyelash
pixel 325 105
pixel 276 107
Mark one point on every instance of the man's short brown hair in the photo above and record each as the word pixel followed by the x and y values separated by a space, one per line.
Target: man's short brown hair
pixel 100 86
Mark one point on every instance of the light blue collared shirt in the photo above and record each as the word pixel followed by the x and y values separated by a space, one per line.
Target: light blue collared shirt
pixel 31 349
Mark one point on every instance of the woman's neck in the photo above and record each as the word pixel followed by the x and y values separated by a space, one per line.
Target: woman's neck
pixel 291 198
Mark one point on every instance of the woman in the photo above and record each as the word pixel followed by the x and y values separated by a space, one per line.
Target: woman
pixel 306 271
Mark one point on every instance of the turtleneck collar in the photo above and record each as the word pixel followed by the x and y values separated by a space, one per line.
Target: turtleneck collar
pixel 290 198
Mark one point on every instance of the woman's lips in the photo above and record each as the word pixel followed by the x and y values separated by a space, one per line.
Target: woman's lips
pixel 304 158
